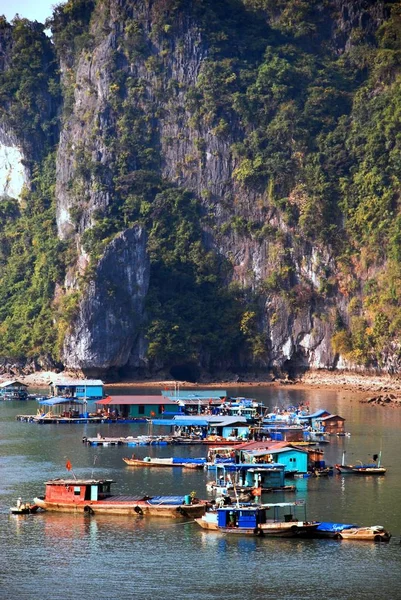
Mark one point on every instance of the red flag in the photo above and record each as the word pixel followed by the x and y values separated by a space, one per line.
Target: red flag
pixel 68 465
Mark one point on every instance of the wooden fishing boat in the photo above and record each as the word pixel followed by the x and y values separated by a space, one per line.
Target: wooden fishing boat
pixel 259 519
pixel 93 496
pixel 375 533
pixel 182 463
pixel 339 531
pixel 360 468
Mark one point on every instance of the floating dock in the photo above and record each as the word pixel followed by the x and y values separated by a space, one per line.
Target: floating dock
pixel 143 440
pixel 58 420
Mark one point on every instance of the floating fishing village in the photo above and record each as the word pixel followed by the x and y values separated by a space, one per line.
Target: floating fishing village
pixel 249 453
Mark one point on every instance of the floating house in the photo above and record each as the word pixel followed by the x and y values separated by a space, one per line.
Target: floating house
pixel 84 389
pixel 13 390
pixel 193 402
pixel 268 476
pixel 295 460
pixel 207 426
pixel 136 407
pixel 61 410
pixel 332 424
pixel 312 420
pixel 214 402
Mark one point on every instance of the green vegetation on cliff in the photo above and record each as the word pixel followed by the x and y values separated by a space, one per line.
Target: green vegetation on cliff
pixel 308 98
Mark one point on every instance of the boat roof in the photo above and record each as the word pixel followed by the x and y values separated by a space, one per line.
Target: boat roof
pixel 259 506
pixel 250 466
pixel 78 481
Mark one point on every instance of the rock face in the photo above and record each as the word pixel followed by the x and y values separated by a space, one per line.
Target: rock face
pixel 111 311
pixel 13 174
pixel 143 63
pixel 104 334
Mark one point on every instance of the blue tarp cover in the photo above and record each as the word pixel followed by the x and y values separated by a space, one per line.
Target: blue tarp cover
pixel 60 400
pixel 334 526
pixel 167 500
pixel 198 461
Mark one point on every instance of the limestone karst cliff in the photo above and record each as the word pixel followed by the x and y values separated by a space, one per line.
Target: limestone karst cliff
pixel 220 184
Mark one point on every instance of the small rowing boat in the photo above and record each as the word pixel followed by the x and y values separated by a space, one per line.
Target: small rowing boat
pixel 374 468
pixel 182 463
pixel 23 508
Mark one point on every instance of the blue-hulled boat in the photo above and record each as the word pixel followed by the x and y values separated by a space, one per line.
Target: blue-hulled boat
pixel 272 520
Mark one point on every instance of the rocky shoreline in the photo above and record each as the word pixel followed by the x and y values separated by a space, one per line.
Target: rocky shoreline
pixel 311 380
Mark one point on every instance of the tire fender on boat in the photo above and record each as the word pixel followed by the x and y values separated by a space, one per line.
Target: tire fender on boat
pixel 138 510
pixel 89 510
pixel 258 531
pixel 295 529
pixel 182 511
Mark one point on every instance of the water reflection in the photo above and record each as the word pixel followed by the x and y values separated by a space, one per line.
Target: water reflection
pixel 162 559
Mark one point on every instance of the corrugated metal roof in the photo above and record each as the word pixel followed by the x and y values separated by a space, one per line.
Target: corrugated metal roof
pixel 194 394
pixel 136 400
pixel 261 445
pixel 75 382
pixel 181 422
pixel 275 451
pixel 12 382
pixel 331 417
pixel 318 413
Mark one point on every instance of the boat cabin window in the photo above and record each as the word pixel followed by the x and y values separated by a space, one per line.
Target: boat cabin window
pixel 141 409
pixel 77 490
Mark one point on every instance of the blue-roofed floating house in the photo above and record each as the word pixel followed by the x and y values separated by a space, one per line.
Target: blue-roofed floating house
pixel 213 427
pixel 312 420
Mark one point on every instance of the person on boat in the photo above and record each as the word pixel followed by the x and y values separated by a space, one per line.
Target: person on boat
pixel 232 519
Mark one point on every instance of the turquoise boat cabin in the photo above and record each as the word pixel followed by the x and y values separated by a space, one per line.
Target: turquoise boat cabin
pixel 83 389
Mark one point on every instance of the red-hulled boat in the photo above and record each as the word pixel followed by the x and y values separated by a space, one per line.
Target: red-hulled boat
pixel 93 496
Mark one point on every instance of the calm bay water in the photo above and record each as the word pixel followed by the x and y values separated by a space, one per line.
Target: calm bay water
pixel 55 557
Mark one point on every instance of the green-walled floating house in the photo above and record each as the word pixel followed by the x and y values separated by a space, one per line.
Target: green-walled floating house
pixel 134 407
